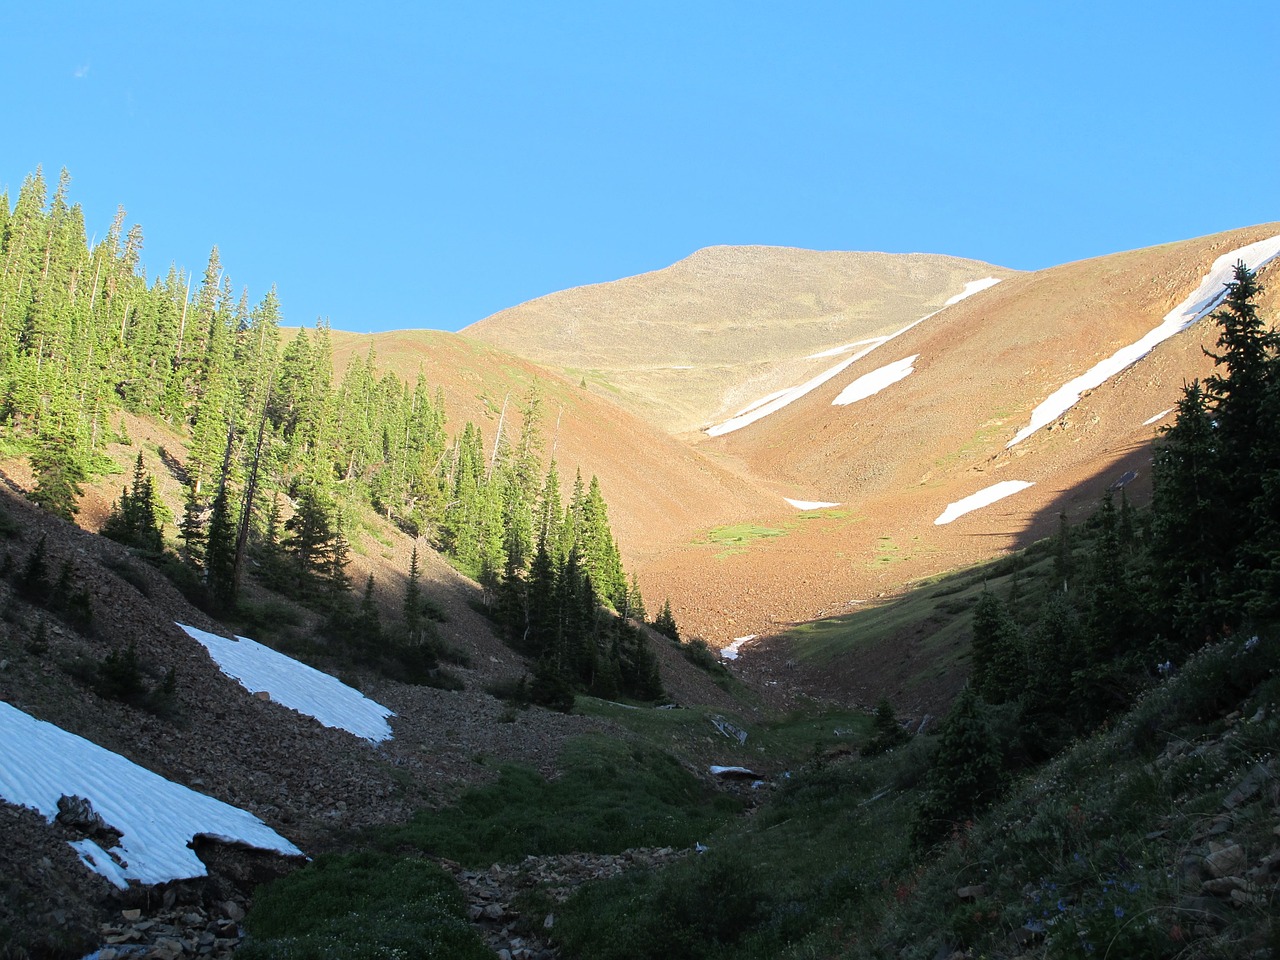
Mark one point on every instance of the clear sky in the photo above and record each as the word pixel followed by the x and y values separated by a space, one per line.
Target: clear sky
pixel 425 164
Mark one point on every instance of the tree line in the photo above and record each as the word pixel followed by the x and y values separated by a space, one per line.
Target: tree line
pixel 282 456
pixel 1132 594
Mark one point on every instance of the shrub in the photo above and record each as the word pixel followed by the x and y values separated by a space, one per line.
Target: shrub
pixel 366 906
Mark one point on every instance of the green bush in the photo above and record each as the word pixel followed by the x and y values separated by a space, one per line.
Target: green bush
pixel 365 906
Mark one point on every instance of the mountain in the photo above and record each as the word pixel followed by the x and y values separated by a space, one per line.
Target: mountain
pixel 685 345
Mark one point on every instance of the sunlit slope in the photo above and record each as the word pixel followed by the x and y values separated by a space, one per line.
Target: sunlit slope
pixel 692 343
pixel 659 490
pixel 895 459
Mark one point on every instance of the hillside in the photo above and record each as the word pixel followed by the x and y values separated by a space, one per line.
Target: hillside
pixel 892 462
pixel 689 344
pixel 883 432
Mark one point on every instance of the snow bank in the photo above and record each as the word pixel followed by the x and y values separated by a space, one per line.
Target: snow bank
pixel 998 491
pixel 1203 299
pixel 972 287
pixel 1157 418
pixel 731 651
pixel 810 504
pixel 157 818
pixel 872 383
pixel 296 685
pixel 775 402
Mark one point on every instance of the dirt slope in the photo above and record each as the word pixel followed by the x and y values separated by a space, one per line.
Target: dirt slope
pixel 659 490
pixel 896 459
pixel 689 344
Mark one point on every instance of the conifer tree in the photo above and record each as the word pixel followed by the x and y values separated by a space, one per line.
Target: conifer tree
pixel 966 773
pixel 999 662
pixel 59 474
pixel 665 624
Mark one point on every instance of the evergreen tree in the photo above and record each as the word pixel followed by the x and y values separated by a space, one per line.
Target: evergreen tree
pixel 59 474
pixel 999 661
pixel 966 772
pixel 133 520
pixel 665 624
pixel 886 731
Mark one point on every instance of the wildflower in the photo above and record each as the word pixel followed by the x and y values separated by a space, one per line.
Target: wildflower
pixel 1119 912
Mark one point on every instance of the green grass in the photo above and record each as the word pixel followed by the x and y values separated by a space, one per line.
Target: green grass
pixel 736 538
pixel 611 796
pixel 363 906
pixel 807 867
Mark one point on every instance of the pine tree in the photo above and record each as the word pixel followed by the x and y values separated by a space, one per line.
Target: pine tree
pixel 665 624
pixel 966 772
pixel 999 661
pixel 58 473
pixel 886 731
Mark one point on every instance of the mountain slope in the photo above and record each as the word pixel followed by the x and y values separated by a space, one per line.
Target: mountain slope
pixel 689 344
pixel 896 459
pixel 659 490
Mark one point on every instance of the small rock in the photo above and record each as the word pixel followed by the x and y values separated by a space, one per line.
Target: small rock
pixel 973 892
pixel 494 911
pixel 1247 898
pixel 263 695
pixel 232 911
pixel 1226 860
pixel 549 922
pixel 131 915
pixel 1222 886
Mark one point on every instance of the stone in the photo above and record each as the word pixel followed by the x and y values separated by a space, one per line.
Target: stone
pixel 131 915
pixel 494 911
pixel 1222 886
pixel 1225 861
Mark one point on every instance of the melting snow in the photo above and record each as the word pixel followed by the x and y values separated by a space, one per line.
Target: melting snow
pixel 157 818
pixel 775 402
pixel 731 651
pixel 982 498
pixel 810 504
pixel 751 406
pixel 1203 299
pixel 296 685
pixel 972 287
pixel 872 383
pixel 1157 418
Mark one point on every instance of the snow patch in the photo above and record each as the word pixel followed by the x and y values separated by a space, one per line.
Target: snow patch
pixel 810 504
pixel 997 491
pixel 1202 300
pixel 972 287
pixel 1157 418
pixel 765 399
pixel 296 685
pixel 872 383
pixel 775 402
pixel 731 651
pixel 157 818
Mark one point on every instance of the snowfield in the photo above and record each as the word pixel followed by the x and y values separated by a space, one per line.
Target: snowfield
pixel 989 495
pixel 731 651
pixel 776 401
pixel 157 818
pixel 1202 300
pixel 810 504
pixel 296 685
pixel 1157 418
pixel 872 383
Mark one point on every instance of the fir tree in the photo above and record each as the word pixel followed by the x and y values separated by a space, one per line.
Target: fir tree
pixel 665 623
pixel 59 474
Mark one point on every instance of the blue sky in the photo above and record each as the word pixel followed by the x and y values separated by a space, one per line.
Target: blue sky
pixel 424 165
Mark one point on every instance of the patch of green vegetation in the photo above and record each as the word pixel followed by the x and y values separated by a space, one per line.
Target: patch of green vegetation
pixel 612 795
pixel 807 869
pixel 736 538
pixel 366 906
